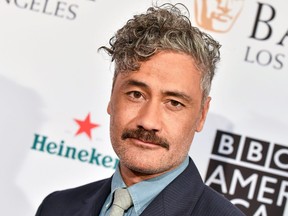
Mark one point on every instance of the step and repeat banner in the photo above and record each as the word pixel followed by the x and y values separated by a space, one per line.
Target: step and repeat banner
pixel 55 87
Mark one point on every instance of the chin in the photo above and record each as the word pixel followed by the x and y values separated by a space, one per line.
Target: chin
pixel 147 170
pixel 143 167
pixel 147 166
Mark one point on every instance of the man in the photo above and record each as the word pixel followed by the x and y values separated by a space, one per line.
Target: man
pixel 160 98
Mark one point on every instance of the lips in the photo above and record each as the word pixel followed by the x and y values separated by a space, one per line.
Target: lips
pixel 145 144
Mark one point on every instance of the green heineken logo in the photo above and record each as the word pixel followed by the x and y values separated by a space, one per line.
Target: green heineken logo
pixel 43 144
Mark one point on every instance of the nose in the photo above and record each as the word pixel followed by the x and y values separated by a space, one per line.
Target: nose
pixel 149 117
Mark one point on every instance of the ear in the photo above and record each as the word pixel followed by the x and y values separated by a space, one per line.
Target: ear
pixel 203 114
pixel 109 108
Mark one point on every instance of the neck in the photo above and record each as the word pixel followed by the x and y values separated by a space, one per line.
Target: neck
pixel 131 177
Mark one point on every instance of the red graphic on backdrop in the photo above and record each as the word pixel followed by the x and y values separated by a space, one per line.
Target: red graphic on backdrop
pixel 85 126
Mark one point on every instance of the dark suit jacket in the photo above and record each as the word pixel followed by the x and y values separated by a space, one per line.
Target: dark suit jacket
pixel 185 196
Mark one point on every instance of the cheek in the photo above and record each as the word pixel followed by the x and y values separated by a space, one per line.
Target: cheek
pixel 184 123
pixel 182 134
pixel 120 118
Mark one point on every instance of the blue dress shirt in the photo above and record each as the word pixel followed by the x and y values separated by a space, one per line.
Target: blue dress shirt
pixel 143 192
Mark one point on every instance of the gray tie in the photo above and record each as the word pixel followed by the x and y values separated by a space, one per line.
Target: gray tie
pixel 122 201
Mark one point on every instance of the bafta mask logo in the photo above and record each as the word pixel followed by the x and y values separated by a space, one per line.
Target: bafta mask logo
pixel 217 15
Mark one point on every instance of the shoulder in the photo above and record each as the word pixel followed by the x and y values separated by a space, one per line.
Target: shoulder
pixel 62 200
pixel 213 203
pixel 80 192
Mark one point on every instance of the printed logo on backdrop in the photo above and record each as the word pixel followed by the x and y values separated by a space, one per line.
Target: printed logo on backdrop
pixel 60 9
pixel 217 15
pixel 265 25
pixel 264 30
pixel 251 172
pixel 78 152
pixel 85 126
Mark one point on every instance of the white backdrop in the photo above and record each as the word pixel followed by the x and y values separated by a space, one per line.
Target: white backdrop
pixel 52 75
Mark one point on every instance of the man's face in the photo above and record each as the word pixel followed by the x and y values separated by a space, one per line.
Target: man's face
pixel 217 15
pixel 154 113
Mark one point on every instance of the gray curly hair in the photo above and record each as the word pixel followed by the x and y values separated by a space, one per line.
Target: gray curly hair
pixel 163 28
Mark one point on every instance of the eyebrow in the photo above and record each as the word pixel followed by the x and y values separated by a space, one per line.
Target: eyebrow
pixel 178 94
pixel 136 83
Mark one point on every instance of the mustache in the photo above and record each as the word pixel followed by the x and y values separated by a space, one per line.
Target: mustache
pixel 145 136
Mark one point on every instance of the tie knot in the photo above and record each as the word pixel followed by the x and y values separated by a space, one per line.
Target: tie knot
pixel 122 198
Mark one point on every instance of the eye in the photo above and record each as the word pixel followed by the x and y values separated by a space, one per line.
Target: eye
pixel 135 95
pixel 175 105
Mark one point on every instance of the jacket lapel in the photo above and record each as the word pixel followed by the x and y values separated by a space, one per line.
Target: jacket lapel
pixel 95 201
pixel 180 196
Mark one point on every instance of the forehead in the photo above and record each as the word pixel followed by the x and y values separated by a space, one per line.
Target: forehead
pixel 166 71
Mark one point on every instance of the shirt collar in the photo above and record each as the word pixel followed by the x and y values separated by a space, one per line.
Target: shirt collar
pixel 140 195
